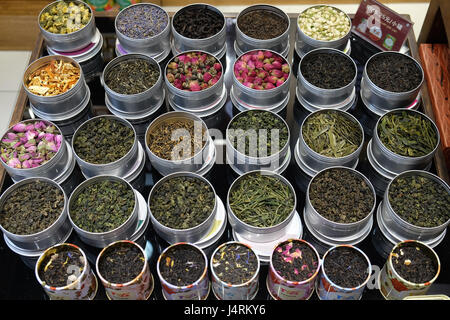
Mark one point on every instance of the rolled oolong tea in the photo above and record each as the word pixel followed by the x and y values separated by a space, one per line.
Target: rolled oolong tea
pixel 328 70
pixel 182 202
pixel 235 264
pixel 341 195
pixel 346 267
pixel 194 71
pixel 324 23
pixel 177 139
pixel 102 206
pixel 103 140
pixel 394 72
pixel 408 134
pixel 132 76
pixel 414 263
pixel 198 22
pixel 121 263
pixel 294 261
pixel 420 200
pixel 141 21
pixel 261 200
pixel 332 134
pixel 58 269
pixel 182 265
pixel 259 133
pixel 262 24
pixel 32 208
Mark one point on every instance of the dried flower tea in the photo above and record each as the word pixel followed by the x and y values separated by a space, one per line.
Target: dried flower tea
pixel 121 263
pixel 132 76
pixel 102 206
pixel 414 263
pixel 394 72
pixel 177 139
pixel 194 71
pixel 328 70
pixel 53 78
pixel 407 134
pixel 65 17
pixel 295 261
pixel 30 145
pixel 59 268
pixel 324 23
pixel 257 132
pixel 420 200
pixel 182 202
pixel 198 22
pixel 32 208
pixel 261 70
pixel 341 195
pixel 103 140
pixel 332 134
pixel 182 265
pixel 142 21
pixel 261 200
pixel 346 267
pixel 262 24
pixel 235 264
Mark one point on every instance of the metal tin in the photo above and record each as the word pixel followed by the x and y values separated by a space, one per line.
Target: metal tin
pixel 279 44
pixel 338 98
pixel 72 41
pixel 61 104
pixel 120 51
pixel 394 287
pixel 299 54
pixel 256 234
pixel 192 164
pixel 157 47
pixel 394 163
pixel 190 235
pixel 305 43
pixel 139 288
pixel 328 290
pixel 83 288
pixel 134 104
pixel 102 239
pixel 198 290
pixel 383 99
pixel 120 167
pixel 227 291
pixel 283 289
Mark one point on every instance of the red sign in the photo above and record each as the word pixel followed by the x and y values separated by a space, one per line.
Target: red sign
pixel 381 26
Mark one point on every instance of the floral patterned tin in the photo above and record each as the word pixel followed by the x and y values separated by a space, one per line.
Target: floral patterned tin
pixel 83 288
pixel 327 290
pixel 394 287
pixel 140 288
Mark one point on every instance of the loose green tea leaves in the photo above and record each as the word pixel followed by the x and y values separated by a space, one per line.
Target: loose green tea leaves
pixel 262 24
pixel 258 133
pixel 420 201
pixel 414 263
pixel 102 206
pixel 328 70
pixel 32 208
pixel 346 267
pixel 182 202
pixel 407 134
pixel 121 263
pixel 198 22
pixel 341 195
pixel 177 139
pixel 103 140
pixel 324 23
pixel 142 21
pixel 332 134
pixel 261 200
pixel 235 264
pixel 132 76
pixel 295 261
pixel 58 268
pixel 182 265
